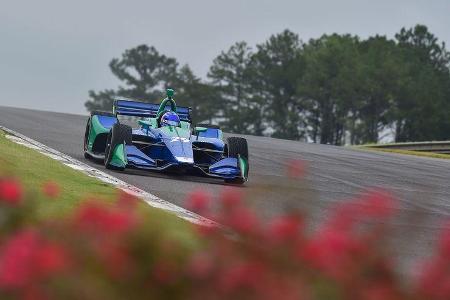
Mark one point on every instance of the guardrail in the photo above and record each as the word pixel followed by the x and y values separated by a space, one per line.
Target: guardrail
pixel 434 147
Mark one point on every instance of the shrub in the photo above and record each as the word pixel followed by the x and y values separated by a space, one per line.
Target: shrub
pixel 104 251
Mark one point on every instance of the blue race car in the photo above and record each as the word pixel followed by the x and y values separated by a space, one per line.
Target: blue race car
pixel 164 140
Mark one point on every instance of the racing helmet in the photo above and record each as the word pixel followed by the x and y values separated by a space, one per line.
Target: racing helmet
pixel 170 118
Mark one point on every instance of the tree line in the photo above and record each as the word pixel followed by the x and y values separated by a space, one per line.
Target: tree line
pixel 336 89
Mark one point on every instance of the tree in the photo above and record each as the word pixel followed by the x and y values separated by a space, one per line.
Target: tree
pixel 380 75
pixel 330 84
pixel 201 97
pixel 276 68
pixel 229 75
pixel 422 104
pixel 143 70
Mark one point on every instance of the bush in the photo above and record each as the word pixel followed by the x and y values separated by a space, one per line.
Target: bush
pixel 104 251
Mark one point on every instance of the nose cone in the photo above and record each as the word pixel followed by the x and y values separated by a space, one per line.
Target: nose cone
pixel 181 149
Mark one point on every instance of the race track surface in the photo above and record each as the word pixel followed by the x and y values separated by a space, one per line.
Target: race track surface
pixel 334 174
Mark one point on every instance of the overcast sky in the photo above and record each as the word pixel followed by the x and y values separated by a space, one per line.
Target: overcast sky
pixel 53 52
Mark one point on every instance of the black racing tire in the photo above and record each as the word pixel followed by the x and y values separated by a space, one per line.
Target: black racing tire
pixel 237 146
pixel 118 134
pixel 102 113
pixel 86 139
pixel 208 126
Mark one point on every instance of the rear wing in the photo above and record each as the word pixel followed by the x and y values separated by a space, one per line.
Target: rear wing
pixel 127 107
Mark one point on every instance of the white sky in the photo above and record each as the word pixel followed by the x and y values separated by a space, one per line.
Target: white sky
pixel 53 52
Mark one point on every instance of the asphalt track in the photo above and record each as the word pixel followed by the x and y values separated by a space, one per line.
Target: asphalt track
pixel 334 174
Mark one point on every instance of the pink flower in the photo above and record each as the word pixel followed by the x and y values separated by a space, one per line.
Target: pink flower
pixel 16 259
pixel 198 201
pixel 330 251
pixel 51 189
pixel 378 204
pixel 242 220
pixel 103 219
pixel 27 258
pixel 50 258
pixel 285 228
pixel 10 191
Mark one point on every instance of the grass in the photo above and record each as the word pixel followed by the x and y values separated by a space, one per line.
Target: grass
pixel 405 152
pixel 35 169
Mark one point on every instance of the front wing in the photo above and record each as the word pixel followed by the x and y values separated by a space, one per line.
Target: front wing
pixel 132 157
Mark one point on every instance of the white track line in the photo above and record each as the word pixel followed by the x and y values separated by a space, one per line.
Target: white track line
pixel 150 199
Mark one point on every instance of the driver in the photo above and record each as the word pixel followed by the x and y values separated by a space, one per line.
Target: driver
pixel 170 118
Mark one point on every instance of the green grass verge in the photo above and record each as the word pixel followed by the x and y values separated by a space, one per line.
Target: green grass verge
pixel 34 169
pixel 405 152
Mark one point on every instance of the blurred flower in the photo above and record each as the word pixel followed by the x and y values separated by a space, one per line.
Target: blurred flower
pixel 10 191
pixel 164 272
pixel 328 251
pixel 26 258
pixel 296 168
pixel 49 258
pixel 242 220
pixel 16 258
pixel 201 265
pixel 198 201
pixel 378 203
pixel 241 275
pixel 107 249
pixel 285 228
pixel 230 198
pixel 434 279
pixel 100 218
pixel 126 200
pixel 51 189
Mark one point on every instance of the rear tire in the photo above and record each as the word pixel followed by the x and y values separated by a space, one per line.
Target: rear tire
pixel 208 126
pixel 119 134
pixel 236 147
pixel 101 113
pixel 86 139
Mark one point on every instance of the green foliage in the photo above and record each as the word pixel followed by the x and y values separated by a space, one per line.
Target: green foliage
pixel 337 89
pixel 230 74
pixel 277 67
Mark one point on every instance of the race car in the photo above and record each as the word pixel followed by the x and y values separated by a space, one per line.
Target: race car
pixel 163 140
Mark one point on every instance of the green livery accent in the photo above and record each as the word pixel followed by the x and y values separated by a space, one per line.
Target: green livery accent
pixel 162 107
pixel 95 129
pixel 119 157
pixel 243 165
pixel 185 125
pixel 153 123
pixel 200 129
pixel 169 93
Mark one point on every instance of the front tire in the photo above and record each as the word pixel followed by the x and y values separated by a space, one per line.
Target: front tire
pixel 119 134
pixel 237 147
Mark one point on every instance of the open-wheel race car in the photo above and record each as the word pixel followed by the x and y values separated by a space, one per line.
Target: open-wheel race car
pixel 164 140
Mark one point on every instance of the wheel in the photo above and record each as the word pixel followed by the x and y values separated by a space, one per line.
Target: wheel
pixel 86 139
pixel 119 134
pixel 237 147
